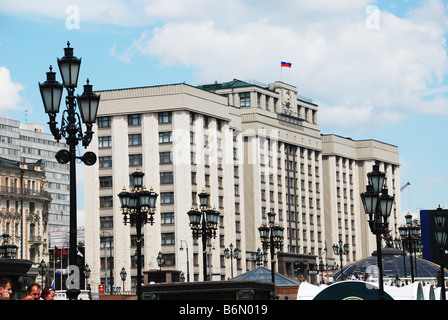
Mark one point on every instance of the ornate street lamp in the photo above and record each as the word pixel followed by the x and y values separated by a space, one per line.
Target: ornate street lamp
pixel 231 254
pixel 204 224
pixel 410 237
pixel 70 129
pixel 42 269
pixel 7 250
pixel 160 260
pixel 123 275
pixel 441 233
pixel 260 257
pixel 271 237
pixel 340 250
pixel 87 272
pixel 378 208
pixel 136 206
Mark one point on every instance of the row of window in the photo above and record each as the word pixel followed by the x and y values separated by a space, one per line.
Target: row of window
pixel 163 118
pixel 165 198
pixel 165 218
pixel 134 139
pixel 165 157
pixel 134 120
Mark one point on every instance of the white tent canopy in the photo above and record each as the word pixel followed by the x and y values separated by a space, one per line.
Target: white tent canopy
pixel 351 289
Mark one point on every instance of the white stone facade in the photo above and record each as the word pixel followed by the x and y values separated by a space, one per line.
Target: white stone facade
pixel 253 148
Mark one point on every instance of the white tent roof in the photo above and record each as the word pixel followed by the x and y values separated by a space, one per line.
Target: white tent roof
pixel 414 291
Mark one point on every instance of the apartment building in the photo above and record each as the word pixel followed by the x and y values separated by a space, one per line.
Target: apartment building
pixel 28 143
pixel 24 208
pixel 252 147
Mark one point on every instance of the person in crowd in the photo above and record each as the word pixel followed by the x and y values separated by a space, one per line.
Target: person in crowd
pixel 47 294
pixel 32 292
pixel 5 289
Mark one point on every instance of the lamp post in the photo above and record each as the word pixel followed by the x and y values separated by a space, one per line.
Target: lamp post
pixel 138 204
pixel 86 275
pixel 271 237
pixel 378 208
pixel 259 257
pixel 160 260
pixel 340 249
pixel 231 254
pixel 71 130
pixel 204 224
pixel 440 234
pixel 409 237
pixel 123 275
pixel 400 245
pixel 42 269
pixel 188 258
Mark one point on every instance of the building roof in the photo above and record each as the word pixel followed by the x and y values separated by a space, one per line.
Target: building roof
pixel 264 275
pixel 235 83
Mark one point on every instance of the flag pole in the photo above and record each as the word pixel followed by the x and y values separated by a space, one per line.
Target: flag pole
pixel 281 70
pixel 54 268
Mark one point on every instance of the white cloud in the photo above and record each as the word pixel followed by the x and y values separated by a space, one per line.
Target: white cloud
pixel 352 71
pixel 10 98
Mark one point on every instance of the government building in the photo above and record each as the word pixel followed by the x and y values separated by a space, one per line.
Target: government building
pixel 254 148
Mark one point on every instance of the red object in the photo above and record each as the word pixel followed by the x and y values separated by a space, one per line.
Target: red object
pixel 101 288
pixel 64 253
pixel 57 253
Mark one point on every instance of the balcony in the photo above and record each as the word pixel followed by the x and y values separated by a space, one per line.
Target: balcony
pixel 4 190
pixel 35 240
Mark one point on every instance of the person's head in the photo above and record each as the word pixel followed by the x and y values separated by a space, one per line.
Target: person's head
pixel 5 285
pixel 47 293
pixel 33 290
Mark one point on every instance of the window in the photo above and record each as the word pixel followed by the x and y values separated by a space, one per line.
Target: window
pixel 106 222
pixel 165 117
pixel 104 122
pixel 134 119
pixel 167 197
pixel 105 162
pixel 135 139
pixel 170 259
pixel 166 177
pixel 106 202
pixel 167 217
pixel 106 182
pixel 168 238
pixel 244 99
pixel 105 142
pixel 135 160
pixel 165 157
pixel 165 137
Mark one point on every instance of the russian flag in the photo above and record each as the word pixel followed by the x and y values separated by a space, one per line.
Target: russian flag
pixel 286 64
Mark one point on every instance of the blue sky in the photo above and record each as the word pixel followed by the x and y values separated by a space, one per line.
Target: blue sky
pixel 377 69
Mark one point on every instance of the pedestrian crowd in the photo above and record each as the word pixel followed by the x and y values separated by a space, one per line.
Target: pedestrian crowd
pixel 33 291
